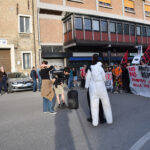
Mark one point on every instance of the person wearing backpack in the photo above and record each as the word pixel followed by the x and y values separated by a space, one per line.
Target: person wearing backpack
pixel 95 81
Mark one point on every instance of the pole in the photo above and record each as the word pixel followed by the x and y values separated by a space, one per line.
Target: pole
pixel 34 32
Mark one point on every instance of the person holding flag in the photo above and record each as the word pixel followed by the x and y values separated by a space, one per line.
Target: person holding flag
pixel 124 60
pixel 125 73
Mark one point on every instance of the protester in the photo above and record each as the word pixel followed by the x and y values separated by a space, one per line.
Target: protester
pixel 117 72
pixel 74 77
pixel 101 113
pixel 142 63
pixel 83 74
pixel 109 79
pixel 39 78
pixel 70 80
pixel 125 79
pixel 33 75
pixel 47 91
pixel 95 82
pixel 3 80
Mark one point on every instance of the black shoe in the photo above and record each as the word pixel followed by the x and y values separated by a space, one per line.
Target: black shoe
pixel 59 106
pixel 102 121
pixel 89 119
pixel 63 105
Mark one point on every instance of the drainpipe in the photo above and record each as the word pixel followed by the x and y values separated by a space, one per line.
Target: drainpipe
pixel 34 32
pixel 122 7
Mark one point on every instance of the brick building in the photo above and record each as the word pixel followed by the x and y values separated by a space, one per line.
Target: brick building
pixel 72 30
pixel 19 49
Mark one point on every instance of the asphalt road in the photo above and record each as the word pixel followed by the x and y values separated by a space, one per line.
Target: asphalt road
pixel 23 125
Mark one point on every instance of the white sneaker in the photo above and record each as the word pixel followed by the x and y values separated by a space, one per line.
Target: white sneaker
pixel 45 112
pixel 53 113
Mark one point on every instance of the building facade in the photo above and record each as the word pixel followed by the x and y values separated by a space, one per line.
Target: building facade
pixel 70 31
pixel 19 49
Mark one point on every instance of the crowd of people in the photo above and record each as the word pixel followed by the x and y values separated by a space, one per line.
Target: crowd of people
pixel 52 90
pixel 91 77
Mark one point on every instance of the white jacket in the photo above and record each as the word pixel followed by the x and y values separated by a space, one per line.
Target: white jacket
pixel 95 74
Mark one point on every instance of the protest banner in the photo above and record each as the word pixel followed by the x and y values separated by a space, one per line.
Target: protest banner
pixel 109 80
pixel 140 80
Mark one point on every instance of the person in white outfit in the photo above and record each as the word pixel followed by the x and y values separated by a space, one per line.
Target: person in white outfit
pixel 95 81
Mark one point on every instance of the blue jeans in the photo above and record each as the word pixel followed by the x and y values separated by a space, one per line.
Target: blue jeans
pixel 48 106
pixel 3 83
pixel 40 82
pixel 34 85
pixel 70 82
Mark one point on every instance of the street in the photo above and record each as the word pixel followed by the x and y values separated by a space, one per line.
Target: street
pixel 23 125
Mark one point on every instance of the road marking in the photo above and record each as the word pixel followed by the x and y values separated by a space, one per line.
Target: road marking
pixel 139 144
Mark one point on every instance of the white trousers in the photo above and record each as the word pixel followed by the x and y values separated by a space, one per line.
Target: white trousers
pixel 94 101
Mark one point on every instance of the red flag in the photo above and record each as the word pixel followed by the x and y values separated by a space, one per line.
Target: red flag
pixel 124 60
pixel 146 56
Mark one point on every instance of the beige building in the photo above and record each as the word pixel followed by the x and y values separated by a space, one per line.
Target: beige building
pixel 74 29
pixel 70 31
pixel 19 49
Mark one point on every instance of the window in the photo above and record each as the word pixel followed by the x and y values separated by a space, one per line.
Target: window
pixel 126 29
pixel 148 31
pixel 65 27
pixel 112 27
pixel 147 10
pixel 25 24
pixel 132 29
pixel 57 48
pixel 129 5
pixel 106 3
pixel 26 60
pixel 78 23
pixel 138 30
pixel 47 50
pixel 69 25
pixel 143 31
pixel 119 28
pixel 87 24
pixel 104 26
pixel 95 25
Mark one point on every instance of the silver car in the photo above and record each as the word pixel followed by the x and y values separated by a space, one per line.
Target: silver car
pixel 18 81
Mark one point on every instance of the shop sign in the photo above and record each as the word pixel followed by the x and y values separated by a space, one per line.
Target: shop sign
pixel 3 42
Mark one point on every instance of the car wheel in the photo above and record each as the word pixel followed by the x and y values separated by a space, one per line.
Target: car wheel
pixel 10 89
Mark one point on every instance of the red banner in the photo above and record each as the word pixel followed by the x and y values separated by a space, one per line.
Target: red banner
pixel 124 60
pixel 146 56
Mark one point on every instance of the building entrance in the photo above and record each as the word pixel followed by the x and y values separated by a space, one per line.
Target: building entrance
pixel 5 59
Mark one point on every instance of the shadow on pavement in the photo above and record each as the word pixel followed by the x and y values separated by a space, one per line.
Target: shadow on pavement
pixel 83 102
pixel 63 135
pixel 84 132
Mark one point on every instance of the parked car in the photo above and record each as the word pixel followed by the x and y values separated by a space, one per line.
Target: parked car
pixel 18 81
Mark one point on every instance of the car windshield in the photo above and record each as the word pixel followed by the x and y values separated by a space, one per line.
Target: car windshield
pixel 17 75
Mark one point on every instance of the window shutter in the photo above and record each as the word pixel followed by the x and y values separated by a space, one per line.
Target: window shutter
pixel 105 1
pixel 129 4
pixel 147 8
